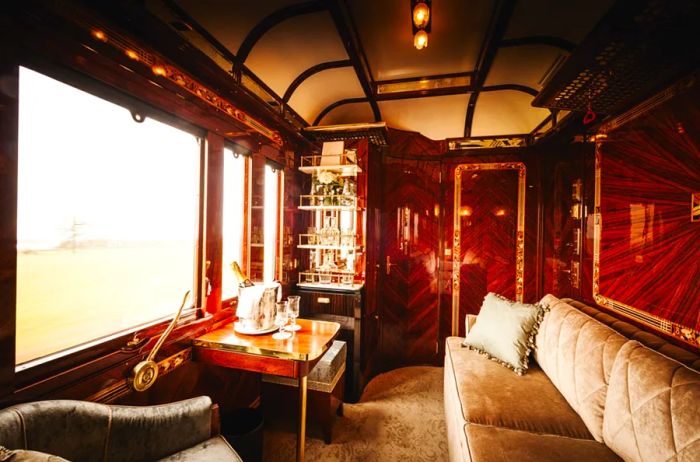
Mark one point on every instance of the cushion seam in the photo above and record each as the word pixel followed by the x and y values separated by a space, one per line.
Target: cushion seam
pixel 531 432
pixel 454 377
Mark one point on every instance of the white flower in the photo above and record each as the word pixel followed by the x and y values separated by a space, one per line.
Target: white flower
pixel 326 177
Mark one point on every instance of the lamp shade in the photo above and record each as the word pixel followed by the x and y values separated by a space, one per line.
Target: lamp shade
pixel 420 40
pixel 421 15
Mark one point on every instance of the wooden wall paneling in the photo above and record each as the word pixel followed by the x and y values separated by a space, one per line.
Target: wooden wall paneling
pixel 214 220
pixel 409 306
pixel 9 92
pixel 529 157
pixel 646 243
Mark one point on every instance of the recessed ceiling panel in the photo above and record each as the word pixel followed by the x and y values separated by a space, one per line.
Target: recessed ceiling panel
pixel 570 19
pixel 524 65
pixel 231 20
pixel 458 28
pixel 437 117
pixel 293 46
pixel 505 113
pixel 324 88
pixel 353 113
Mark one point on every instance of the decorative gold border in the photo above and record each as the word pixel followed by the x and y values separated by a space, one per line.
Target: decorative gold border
pixel 159 67
pixel 520 233
pixel 678 331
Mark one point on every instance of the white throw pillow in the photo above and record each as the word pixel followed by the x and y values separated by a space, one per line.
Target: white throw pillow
pixel 505 331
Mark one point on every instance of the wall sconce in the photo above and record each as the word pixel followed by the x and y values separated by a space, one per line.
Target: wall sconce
pixel 420 22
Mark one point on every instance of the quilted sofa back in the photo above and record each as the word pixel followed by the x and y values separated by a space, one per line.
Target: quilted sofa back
pixel 651 410
pixel 577 353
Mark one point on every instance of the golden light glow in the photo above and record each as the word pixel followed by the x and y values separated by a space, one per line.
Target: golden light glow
pixel 132 55
pixel 465 211
pixel 99 35
pixel 500 212
pixel 158 70
pixel 421 15
pixel 420 40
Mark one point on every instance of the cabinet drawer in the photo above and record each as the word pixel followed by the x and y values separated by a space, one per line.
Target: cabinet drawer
pixel 336 303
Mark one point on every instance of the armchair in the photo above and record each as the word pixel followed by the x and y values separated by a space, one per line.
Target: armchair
pixel 83 431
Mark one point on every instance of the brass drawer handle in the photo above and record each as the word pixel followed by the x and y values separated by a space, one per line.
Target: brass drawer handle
pixel 323 300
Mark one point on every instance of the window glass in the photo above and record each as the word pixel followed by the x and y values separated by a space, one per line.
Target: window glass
pixel 233 222
pixel 271 222
pixel 107 218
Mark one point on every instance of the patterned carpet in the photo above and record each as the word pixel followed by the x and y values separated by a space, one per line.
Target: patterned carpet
pixel 399 418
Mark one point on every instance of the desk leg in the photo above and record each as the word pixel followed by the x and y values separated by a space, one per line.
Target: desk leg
pixel 301 429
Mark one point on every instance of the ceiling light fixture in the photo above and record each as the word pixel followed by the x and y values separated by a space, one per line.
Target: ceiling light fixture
pixel 420 22
pixel 421 15
pixel 420 40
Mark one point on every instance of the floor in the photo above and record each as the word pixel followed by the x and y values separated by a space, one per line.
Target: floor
pixel 400 417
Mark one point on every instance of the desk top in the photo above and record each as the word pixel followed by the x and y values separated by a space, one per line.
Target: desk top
pixel 307 344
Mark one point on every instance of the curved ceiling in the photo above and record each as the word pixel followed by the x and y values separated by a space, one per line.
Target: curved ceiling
pixel 331 59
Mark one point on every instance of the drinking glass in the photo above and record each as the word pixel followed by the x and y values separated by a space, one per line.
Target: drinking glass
pixel 293 312
pixel 281 321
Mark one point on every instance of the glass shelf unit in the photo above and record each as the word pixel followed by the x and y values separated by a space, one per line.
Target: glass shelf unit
pixel 334 240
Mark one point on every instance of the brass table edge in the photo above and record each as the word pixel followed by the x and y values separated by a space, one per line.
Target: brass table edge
pixel 254 351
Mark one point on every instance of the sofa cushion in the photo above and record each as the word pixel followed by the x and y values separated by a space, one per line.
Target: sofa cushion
pixel 214 449
pixel 577 354
pixel 504 330
pixel 25 455
pixel 494 444
pixel 490 394
pixel 651 411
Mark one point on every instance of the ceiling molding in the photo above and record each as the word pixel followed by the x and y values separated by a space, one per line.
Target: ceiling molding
pixel 336 104
pixel 351 40
pixel 548 40
pixel 496 30
pixel 511 86
pixel 274 19
pixel 311 71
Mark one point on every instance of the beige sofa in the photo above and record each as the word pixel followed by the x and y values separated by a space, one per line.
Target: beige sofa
pixel 591 394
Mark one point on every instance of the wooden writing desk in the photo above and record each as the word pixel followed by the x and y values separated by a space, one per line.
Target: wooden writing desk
pixel 293 357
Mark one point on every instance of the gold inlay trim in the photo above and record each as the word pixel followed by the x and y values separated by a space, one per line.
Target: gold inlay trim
pixel 520 231
pixel 104 37
pixel 676 330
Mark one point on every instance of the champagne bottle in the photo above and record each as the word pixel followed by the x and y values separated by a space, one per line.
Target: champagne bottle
pixel 243 280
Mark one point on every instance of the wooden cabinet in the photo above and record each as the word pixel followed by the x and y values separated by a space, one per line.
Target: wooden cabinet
pixel 345 308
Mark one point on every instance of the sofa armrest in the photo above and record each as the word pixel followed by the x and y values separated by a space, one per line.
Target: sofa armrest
pixel 469 321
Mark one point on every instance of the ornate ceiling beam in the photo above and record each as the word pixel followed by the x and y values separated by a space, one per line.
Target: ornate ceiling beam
pixel 336 104
pixel 548 40
pixel 311 71
pixel 495 32
pixel 274 19
pixel 351 40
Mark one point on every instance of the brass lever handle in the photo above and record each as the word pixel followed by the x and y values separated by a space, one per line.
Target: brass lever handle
pixel 145 373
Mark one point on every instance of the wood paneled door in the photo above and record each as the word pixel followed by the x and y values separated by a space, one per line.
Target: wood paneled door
pixel 407 292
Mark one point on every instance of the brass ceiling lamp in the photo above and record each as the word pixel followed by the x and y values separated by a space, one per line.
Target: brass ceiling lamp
pixel 420 22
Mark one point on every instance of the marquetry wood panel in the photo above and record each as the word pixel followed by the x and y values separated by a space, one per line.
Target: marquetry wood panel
pixel 409 289
pixel 649 253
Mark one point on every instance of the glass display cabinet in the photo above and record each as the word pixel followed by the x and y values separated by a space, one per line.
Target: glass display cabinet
pixel 334 239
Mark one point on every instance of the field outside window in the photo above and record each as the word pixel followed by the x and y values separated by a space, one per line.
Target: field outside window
pixel 107 218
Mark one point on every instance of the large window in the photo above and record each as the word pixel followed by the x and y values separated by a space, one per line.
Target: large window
pixel 233 220
pixel 107 218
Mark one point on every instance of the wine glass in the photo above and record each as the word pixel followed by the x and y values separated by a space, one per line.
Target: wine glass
pixel 281 321
pixel 293 312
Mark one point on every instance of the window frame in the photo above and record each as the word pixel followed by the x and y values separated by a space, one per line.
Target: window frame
pixel 128 340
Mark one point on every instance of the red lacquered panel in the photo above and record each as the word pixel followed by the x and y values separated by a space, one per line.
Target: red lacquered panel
pixel 650 247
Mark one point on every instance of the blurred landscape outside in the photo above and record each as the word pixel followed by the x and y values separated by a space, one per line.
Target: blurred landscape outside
pixel 107 218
